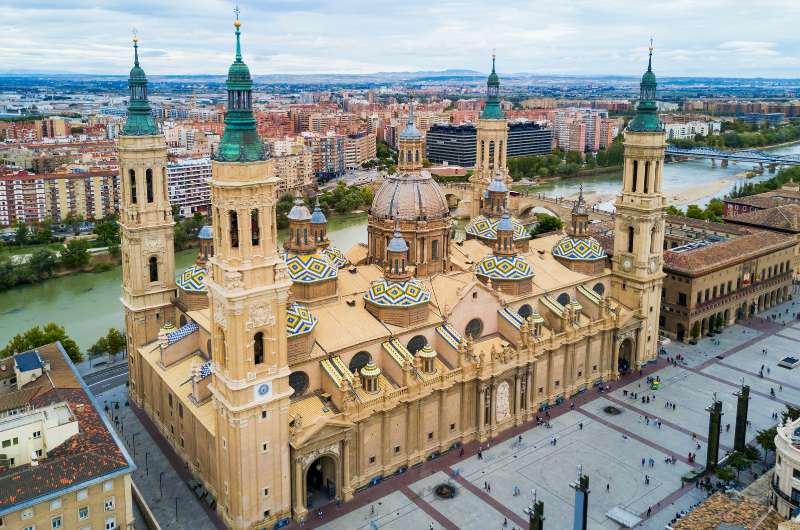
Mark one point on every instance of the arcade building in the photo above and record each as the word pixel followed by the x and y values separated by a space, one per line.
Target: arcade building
pixel 285 376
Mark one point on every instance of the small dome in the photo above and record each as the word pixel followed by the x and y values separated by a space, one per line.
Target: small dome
pixel 318 216
pixel 497 185
pixel 410 197
pixel 397 244
pixel 505 223
pixel 310 268
pixel 426 352
pixel 335 256
pixel 486 228
pixel 389 293
pixel 410 132
pixel 193 279
pixel 649 78
pixel 168 327
pixel 370 370
pixel 504 268
pixel 579 249
pixel 206 233
pixel 299 211
pixel 137 74
pixel 239 74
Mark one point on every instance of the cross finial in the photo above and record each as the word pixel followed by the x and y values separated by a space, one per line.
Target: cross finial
pixel 494 55
pixel 236 11
pixel 237 24
pixel 650 57
pixel 135 47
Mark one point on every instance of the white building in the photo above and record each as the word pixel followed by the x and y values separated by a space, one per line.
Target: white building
pixel 188 185
pixel 689 129
pixel 786 475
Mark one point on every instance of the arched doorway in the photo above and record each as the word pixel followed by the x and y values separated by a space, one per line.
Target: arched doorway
pixel 321 482
pixel 625 359
pixel 680 332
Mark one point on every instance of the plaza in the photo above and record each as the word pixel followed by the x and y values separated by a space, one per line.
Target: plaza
pixel 610 448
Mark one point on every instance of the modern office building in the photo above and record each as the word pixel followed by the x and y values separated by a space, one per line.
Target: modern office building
pixel 455 144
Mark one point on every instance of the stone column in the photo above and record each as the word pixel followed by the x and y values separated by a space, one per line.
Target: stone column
pixel 347 490
pixel 299 490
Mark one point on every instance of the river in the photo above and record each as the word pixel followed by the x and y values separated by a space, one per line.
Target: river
pixel 88 304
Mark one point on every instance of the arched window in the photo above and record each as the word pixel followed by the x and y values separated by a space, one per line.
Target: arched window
pixel 305 236
pixel 635 175
pixel 525 311
pixel 148 184
pixel 234 229
pixel 299 382
pixel 653 240
pixel 474 328
pixel 434 249
pixel 655 179
pixel 164 182
pixel 646 175
pixel 182 321
pixel 258 348
pixel 416 344
pixel 563 299
pixel 153 266
pixel 359 361
pixel 630 239
pixel 599 288
pixel 255 230
pixel 132 177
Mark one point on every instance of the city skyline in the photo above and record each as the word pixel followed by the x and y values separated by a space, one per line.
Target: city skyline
pixel 727 38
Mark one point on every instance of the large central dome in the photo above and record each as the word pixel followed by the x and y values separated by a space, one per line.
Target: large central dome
pixel 410 197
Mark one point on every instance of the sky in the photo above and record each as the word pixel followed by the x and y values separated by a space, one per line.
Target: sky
pixel 727 38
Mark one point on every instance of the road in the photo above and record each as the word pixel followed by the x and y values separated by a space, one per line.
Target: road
pixel 107 378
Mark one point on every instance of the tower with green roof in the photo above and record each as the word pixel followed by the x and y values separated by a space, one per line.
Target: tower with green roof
pixel 492 143
pixel 248 292
pixel 146 227
pixel 639 229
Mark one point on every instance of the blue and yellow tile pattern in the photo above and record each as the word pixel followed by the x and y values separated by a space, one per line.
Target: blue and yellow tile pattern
pixel 193 279
pixel 486 228
pixel 504 268
pixel 405 293
pixel 579 249
pixel 299 320
pixel 310 268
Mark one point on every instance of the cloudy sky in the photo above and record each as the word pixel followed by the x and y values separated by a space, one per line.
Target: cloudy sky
pixel 748 38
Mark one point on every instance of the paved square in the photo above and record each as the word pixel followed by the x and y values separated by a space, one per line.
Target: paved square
pixel 609 447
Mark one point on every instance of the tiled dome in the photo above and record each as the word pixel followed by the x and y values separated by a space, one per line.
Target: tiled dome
pixel 504 268
pixel 335 256
pixel 193 279
pixel 410 197
pixel 486 228
pixel 299 320
pixel 310 268
pixel 579 249
pixel 389 293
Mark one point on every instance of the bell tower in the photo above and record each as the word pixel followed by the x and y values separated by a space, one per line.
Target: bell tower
pixel 248 292
pixel 492 143
pixel 639 222
pixel 146 226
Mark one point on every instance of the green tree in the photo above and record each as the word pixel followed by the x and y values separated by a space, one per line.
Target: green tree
pixel 738 461
pixel 693 211
pixel 672 210
pixel 107 231
pixel 36 336
pixel 546 223
pixel 725 473
pixel 696 330
pixel 42 263
pixel 719 322
pixel 75 254
pixel 112 343
pixel 766 439
pixel 21 236
pixel 74 222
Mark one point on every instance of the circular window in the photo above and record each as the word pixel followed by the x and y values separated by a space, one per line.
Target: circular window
pixel 599 288
pixel 563 299
pixel 525 311
pixel 359 361
pixel 299 382
pixel 474 329
pixel 416 344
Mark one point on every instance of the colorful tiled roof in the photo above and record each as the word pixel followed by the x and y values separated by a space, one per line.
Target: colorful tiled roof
pixel 299 320
pixel 397 351
pixel 335 256
pixel 370 370
pixel 426 352
pixel 193 279
pixel 486 228
pixel 512 317
pixel 336 370
pixel 181 332
pixel 403 293
pixel 206 369
pixel 310 268
pixel 450 335
pixel 504 268
pixel 579 249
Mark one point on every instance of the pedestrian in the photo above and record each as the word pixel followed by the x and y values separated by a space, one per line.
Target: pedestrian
pixel 461 452
pixel 647 480
pixel 608 487
pixel 489 487
pixel 431 528
pixel 649 510
pixel 643 462
pixel 580 426
pixel 505 522
pixel 372 510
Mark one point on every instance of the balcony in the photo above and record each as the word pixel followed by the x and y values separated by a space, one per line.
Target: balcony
pixel 794 502
pixel 722 301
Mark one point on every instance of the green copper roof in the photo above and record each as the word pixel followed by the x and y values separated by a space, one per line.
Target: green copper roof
pixel 492 110
pixel 241 142
pixel 140 122
pixel 646 119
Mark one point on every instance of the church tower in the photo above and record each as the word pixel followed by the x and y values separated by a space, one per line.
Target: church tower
pixel 146 226
pixel 248 292
pixel 492 143
pixel 639 227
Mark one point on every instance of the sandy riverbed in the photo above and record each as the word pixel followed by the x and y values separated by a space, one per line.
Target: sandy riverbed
pixel 678 196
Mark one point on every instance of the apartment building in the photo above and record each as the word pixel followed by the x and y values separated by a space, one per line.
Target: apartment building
pixel 188 185
pixel 455 144
pixel 61 463
pixel 328 153
pixel 22 198
pixel 583 129
pixel 358 148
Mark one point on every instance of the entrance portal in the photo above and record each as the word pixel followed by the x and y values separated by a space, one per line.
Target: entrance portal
pixel 321 482
pixel 681 332
pixel 625 360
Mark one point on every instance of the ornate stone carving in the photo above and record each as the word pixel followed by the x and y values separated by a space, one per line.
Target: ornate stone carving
pixel 502 410
pixel 233 279
pixel 260 315
pixel 219 316
pixel 308 458
pixel 152 245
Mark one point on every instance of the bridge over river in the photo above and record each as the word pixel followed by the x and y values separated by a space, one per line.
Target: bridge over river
pixel 757 157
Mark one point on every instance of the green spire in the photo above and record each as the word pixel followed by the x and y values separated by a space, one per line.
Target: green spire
pixel 646 119
pixel 241 142
pixel 140 122
pixel 492 110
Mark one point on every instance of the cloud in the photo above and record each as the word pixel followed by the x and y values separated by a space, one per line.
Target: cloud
pixel 361 36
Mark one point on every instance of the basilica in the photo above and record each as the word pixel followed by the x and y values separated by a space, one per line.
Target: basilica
pixel 286 375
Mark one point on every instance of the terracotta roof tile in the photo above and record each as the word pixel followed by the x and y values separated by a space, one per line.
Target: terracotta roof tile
pixel 730 509
pixel 785 217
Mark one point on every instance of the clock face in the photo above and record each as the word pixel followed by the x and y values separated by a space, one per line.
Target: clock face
pixel 262 391
pixel 626 264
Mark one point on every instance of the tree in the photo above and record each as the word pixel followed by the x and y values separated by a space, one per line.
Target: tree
pixel 36 336
pixel 112 343
pixel 672 210
pixel 693 211
pixel 107 231
pixel 21 236
pixel 766 439
pixel 546 223
pixel 42 263
pixel 719 322
pixel 75 254
pixel 696 330
pixel 74 222
pixel 738 461
pixel 725 473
